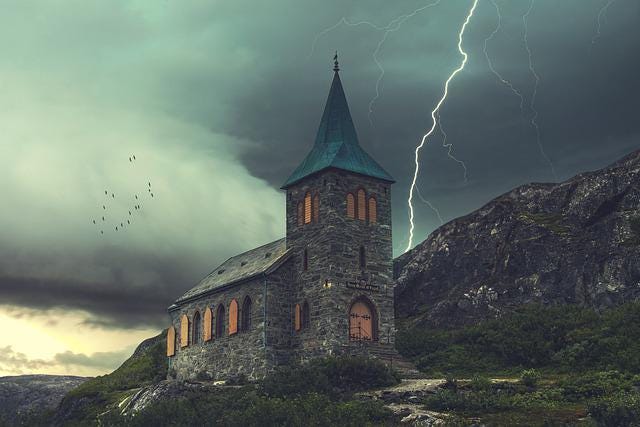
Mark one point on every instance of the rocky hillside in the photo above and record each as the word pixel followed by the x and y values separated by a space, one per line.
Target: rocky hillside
pixel 25 395
pixel 573 242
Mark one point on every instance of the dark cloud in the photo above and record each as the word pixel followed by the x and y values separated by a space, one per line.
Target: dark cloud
pixel 222 101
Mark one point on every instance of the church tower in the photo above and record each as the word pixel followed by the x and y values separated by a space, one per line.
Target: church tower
pixel 338 206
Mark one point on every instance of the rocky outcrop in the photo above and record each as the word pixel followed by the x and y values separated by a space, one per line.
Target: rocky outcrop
pixel 576 242
pixel 27 395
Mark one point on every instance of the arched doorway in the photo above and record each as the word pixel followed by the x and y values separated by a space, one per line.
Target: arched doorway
pixel 362 321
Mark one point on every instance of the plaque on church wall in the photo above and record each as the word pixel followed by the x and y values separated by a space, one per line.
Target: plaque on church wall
pixel 363 285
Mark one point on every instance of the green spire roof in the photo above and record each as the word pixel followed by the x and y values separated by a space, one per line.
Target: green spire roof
pixel 336 143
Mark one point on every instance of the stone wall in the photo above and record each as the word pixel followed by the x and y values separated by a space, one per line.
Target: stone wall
pixel 333 245
pixel 228 355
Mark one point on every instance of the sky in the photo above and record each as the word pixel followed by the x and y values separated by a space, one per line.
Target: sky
pixel 219 101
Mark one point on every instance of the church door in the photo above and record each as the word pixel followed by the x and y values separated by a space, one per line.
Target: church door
pixel 361 326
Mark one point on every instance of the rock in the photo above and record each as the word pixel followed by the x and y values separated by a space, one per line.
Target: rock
pixel 576 242
pixel 26 395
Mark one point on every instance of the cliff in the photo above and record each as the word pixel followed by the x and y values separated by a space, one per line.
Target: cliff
pixel 576 242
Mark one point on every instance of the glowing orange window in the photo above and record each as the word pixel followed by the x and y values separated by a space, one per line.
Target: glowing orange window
pixel 307 208
pixel 208 323
pixel 233 317
pixel 373 210
pixel 171 341
pixel 351 206
pixel 298 318
pixel 362 205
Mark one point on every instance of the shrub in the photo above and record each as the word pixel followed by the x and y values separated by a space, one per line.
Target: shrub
pixel 595 384
pixel 331 376
pixel 622 409
pixel 530 377
pixel 480 383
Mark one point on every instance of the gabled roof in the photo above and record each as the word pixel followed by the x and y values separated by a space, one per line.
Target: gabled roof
pixel 241 267
pixel 336 144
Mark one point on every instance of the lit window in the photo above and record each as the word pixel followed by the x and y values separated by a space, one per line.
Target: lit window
pixel 362 205
pixel 297 319
pixel 171 341
pixel 373 210
pixel 233 317
pixel 351 206
pixel 208 324
pixel 307 208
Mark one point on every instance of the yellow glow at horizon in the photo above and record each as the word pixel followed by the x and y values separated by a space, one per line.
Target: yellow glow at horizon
pixel 37 337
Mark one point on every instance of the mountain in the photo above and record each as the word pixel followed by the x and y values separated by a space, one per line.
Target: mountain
pixel 576 242
pixel 25 395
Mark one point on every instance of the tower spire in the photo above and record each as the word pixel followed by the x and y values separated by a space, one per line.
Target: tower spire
pixel 336 68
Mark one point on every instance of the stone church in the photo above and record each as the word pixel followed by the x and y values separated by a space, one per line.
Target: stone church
pixel 326 288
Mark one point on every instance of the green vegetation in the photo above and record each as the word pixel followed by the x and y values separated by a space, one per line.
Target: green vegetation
pixel 550 221
pixel 570 361
pixel 316 394
pixel 561 339
pixel 82 404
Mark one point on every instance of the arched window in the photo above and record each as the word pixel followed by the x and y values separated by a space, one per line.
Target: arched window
pixel 184 331
pixel 373 210
pixel 197 330
pixel 171 341
pixel 305 260
pixel 233 317
pixel 208 324
pixel 316 208
pixel 220 317
pixel 362 205
pixel 363 321
pixel 351 206
pixel 246 314
pixel 300 213
pixel 305 315
pixel 297 322
pixel 307 208
pixel 363 257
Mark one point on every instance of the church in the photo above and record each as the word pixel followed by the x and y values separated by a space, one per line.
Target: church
pixel 326 288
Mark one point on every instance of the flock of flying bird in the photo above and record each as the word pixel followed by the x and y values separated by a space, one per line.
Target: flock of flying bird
pixel 103 221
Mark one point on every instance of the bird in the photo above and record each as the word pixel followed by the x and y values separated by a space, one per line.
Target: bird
pixel 121 225
pixel 116 228
pixel 129 158
pixel 129 212
pixel 149 184
pixel 136 197
pixel 134 157
pixel 105 191
pixel 103 218
pixel 101 232
pixel 128 222
pixel 94 221
pixel 113 195
pixel 151 194
pixel 104 207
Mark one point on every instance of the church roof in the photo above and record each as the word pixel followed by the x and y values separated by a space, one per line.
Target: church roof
pixel 336 144
pixel 247 265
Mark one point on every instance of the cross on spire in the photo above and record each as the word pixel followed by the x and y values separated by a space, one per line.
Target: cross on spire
pixel 336 68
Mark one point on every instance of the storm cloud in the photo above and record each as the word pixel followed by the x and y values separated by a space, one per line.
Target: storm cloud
pixel 219 101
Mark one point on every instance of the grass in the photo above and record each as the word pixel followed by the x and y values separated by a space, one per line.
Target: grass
pixel 550 221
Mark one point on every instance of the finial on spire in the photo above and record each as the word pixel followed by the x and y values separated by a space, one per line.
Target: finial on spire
pixel 336 68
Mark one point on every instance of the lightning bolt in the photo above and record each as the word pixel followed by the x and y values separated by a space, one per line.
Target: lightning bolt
pixel 532 102
pixel 601 14
pixel 504 81
pixel 449 148
pixel 434 114
pixel 428 203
